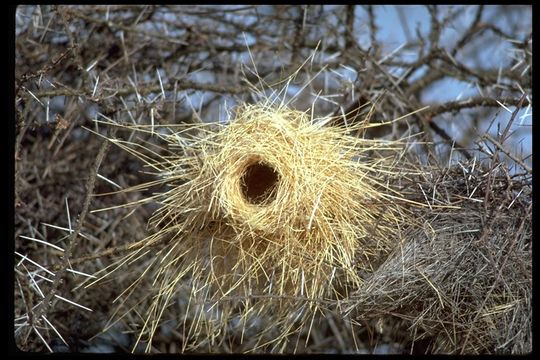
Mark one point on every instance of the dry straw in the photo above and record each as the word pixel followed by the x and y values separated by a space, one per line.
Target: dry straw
pixel 269 215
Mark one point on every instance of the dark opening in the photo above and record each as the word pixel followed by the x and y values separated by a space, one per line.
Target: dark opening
pixel 258 182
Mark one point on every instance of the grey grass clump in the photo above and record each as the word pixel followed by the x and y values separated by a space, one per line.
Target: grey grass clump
pixel 462 280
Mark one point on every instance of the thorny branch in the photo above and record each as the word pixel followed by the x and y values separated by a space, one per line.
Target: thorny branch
pixel 72 240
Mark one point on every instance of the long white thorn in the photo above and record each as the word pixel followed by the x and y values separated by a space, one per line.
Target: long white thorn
pixel 42 242
pixel 42 339
pixel 72 303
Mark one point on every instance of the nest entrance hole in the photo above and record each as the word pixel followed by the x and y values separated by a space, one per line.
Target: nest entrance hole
pixel 258 182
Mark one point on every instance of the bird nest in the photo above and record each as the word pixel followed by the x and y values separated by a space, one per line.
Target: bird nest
pixel 272 211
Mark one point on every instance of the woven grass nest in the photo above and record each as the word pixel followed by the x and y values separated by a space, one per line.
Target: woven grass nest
pixel 271 214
